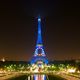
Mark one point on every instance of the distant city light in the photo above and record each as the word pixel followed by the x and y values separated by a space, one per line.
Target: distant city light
pixel 3 59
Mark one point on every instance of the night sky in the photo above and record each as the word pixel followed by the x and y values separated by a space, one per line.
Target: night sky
pixel 60 26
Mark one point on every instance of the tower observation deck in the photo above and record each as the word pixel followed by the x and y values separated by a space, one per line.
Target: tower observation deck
pixel 39 54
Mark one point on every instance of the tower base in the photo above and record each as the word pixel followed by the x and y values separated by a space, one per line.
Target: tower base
pixel 39 60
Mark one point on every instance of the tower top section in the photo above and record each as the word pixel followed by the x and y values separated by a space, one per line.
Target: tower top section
pixel 39 36
pixel 39 19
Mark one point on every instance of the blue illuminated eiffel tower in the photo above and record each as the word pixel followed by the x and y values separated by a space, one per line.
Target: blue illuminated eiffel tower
pixel 39 54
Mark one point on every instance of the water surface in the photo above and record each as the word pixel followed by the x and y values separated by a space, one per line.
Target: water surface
pixel 37 77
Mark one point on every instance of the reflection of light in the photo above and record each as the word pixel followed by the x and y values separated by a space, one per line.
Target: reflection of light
pixel 35 77
pixel 39 77
pixel 43 77
pixel 28 77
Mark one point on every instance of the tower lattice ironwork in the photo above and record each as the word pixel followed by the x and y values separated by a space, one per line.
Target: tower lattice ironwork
pixel 39 54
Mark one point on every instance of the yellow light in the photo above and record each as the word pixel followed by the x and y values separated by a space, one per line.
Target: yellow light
pixel 36 70
pixel 3 59
pixel 71 70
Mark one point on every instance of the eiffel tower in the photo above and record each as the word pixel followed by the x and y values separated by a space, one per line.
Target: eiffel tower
pixel 39 54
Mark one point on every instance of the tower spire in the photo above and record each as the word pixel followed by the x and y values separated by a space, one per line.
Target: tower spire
pixel 39 36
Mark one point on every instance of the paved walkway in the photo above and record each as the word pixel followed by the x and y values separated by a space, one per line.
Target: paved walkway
pixel 68 77
pixel 5 76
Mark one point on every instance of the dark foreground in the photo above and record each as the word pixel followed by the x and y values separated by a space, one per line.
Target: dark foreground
pixel 47 77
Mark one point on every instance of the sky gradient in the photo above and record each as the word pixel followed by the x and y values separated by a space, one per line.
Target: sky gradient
pixel 60 26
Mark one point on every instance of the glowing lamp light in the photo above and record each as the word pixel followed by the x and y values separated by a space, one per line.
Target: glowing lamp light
pixel 36 70
pixel 39 54
pixel 71 70
pixel 39 19
pixel 3 59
